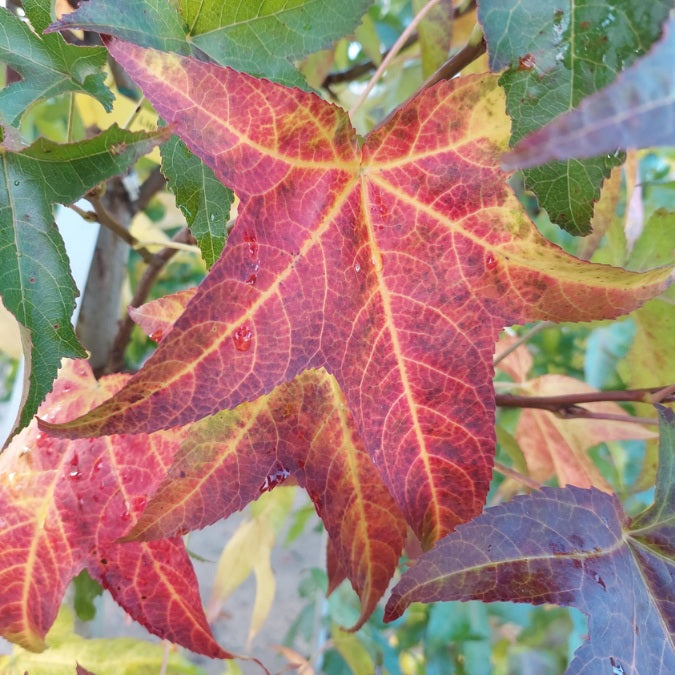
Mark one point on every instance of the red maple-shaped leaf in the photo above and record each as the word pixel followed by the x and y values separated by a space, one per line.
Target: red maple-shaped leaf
pixel 301 430
pixel 393 265
pixel 63 506
pixel 573 547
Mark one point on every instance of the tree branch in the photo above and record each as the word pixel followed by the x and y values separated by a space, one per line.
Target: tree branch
pixel 158 261
pixel 457 62
pixel 362 69
pixel 569 405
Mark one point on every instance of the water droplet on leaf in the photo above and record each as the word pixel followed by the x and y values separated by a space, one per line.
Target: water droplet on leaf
pixel 75 474
pixel 490 261
pixel 17 182
pixel 251 279
pixel 156 335
pixel 252 245
pixel 357 267
pixel 242 338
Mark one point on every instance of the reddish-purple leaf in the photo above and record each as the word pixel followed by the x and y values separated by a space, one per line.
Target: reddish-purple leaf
pixel 570 547
pixel 63 506
pixel 301 430
pixel 393 265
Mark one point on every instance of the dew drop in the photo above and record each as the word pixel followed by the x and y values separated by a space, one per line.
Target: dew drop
pixel 24 451
pixel 490 261
pixel 98 463
pixel 17 182
pixel 212 217
pixel 31 280
pixel 156 335
pixel 126 515
pixel 139 503
pixel 75 474
pixel 242 338
pixel 251 279
pixel 252 245
pixel 357 267
pixel 598 580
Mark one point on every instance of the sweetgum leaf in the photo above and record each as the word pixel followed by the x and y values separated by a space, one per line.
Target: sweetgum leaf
pixel 393 265
pixel 48 65
pixel 203 199
pixel 258 38
pixel 300 430
pixel 570 547
pixel 35 280
pixel 557 52
pixel 636 111
pixel 63 507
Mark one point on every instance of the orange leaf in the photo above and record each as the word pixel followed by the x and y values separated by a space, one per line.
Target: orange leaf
pixel 392 264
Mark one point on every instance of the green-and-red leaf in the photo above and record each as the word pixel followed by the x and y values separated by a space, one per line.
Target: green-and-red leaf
pixel 393 266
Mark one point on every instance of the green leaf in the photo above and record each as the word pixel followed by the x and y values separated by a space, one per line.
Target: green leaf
pixel 258 38
pixel 86 591
pixel 67 650
pixel 203 199
pixel 435 32
pixel 35 281
pixel 636 111
pixel 159 25
pixel 558 52
pixel 263 38
pixel 48 65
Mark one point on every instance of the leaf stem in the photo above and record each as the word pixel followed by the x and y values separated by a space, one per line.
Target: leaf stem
pixel 71 113
pixel 522 340
pixel 516 475
pixel 134 113
pixel 397 46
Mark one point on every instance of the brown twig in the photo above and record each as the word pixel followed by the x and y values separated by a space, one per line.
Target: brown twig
pixel 362 69
pixel 569 405
pixel 155 265
pixel 103 216
pixel 457 62
pixel 149 188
